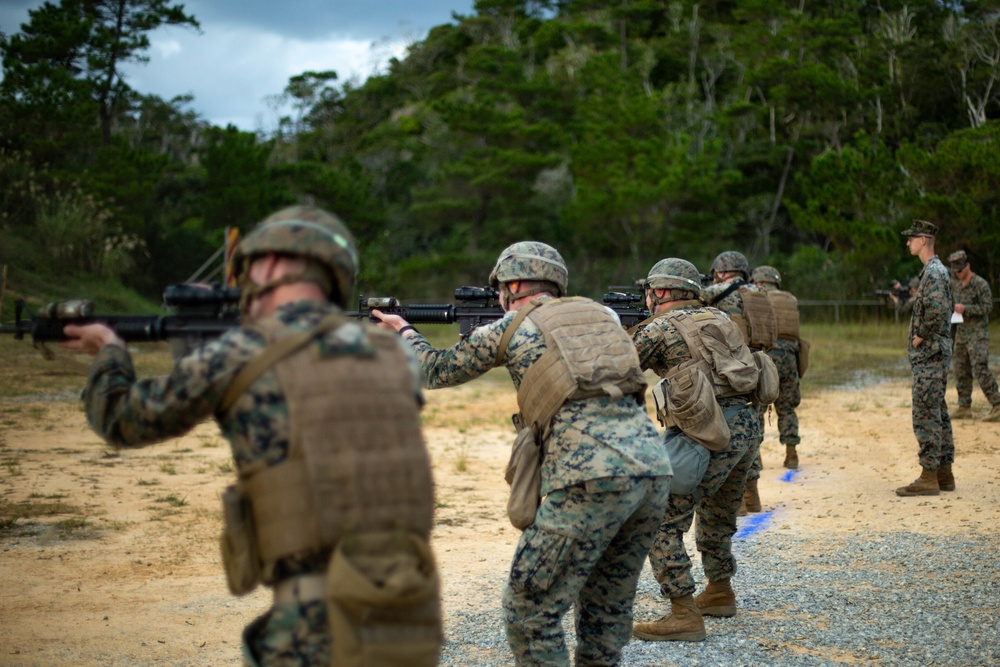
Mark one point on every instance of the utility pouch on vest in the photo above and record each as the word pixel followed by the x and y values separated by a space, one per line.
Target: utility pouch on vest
pixel 383 601
pixel 688 459
pixel 240 557
pixel 524 475
pixel 768 384
pixel 802 357
pixel 689 403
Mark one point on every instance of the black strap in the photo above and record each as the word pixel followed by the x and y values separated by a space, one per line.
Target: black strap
pixel 735 285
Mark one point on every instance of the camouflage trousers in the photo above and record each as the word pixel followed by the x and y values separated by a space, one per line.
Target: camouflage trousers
pixel 586 549
pixel 972 360
pixel 715 502
pixel 289 635
pixel 789 398
pixel 931 421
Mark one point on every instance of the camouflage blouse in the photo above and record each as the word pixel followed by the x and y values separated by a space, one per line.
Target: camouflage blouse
pixel 732 303
pixel 590 439
pixel 978 301
pixel 660 345
pixel 128 412
pixel 931 316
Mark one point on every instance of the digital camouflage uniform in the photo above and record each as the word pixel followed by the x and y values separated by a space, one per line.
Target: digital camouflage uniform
pixel 785 357
pixel 604 483
pixel 128 412
pixel 972 339
pixel 717 498
pixel 930 320
pixel 732 304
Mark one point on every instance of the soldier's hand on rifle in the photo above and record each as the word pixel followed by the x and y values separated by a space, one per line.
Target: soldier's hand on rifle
pixel 90 338
pixel 392 322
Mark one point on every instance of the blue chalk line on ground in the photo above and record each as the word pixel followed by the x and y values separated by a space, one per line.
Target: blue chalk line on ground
pixel 789 476
pixel 753 523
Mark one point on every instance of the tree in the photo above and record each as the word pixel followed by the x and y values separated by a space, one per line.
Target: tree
pixel 71 55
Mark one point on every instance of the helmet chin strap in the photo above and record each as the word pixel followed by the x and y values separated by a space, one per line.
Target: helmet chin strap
pixel 250 290
pixel 507 297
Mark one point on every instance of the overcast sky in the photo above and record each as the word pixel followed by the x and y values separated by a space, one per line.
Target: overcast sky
pixel 248 49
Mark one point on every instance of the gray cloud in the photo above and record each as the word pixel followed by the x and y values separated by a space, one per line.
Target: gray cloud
pixel 313 19
pixel 248 49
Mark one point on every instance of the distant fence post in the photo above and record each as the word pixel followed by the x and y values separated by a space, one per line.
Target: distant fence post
pixel 3 287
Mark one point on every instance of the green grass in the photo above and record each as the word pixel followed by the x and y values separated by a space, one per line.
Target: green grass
pixel 851 353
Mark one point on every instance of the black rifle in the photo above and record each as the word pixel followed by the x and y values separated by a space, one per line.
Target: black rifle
pixel 629 306
pixel 479 305
pixel 476 306
pixel 902 293
pixel 199 313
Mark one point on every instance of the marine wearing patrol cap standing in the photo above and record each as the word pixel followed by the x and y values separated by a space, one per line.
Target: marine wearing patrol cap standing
pixel 322 416
pixel 973 305
pixel 673 342
pixel 929 350
pixel 786 357
pixel 604 475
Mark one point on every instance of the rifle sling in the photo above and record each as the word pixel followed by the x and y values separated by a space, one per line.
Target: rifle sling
pixel 274 353
pixel 733 286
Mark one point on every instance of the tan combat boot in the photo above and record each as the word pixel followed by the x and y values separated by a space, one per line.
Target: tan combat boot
pixel 683 624
pixel 750 497
pixel 962 412
pixel 791 457
pixel 925 485
pixel 717 599
pixel 994 414
pixel 946 480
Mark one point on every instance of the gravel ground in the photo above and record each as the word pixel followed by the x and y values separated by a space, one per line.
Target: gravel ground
pixel 887 598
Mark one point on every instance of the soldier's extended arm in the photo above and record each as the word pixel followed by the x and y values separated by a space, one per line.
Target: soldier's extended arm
pixel 476 306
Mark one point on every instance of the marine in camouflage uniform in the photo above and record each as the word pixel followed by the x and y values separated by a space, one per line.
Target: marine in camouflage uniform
pixel 785 357
pixel 731 269
pixel 604 482
pixel 129 412
pixel 929 350
pixel 717 498
pixel 974 302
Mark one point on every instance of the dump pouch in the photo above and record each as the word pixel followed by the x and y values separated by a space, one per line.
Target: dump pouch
pixel 524 475
pixel 383 601
pixel 688 459
pixel 685 399
pixel 238 542
pixel 802 357
pixel 768 385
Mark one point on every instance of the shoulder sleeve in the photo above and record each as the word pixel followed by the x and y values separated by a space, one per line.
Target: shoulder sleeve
pixel 466 360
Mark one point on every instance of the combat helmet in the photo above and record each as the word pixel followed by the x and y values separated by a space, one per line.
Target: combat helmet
pixel 766 274
pixel 530 260
pixel 674 274
pixel 731 260
pixel 304 231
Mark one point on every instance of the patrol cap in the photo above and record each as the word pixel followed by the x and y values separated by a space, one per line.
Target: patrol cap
pixel 958 260
pixel 921 228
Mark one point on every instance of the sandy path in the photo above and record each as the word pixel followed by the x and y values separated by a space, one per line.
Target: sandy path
pixel 124 569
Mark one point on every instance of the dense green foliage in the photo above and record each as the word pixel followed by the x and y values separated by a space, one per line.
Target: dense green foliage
pixel 804 134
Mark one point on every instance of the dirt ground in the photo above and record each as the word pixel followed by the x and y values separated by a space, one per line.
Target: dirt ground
pixel 110 558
